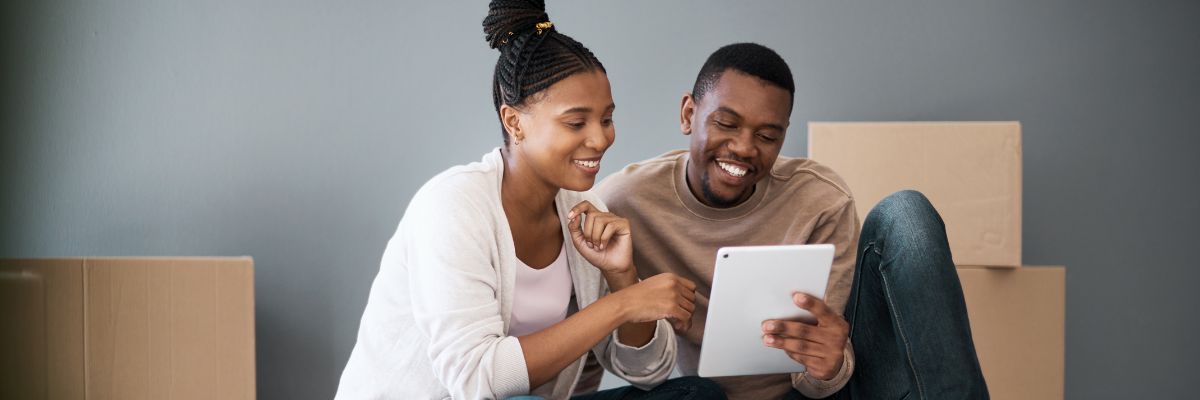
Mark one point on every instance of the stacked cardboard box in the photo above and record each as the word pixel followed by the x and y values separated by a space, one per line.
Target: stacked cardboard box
pixel 127 328
pixel 971 172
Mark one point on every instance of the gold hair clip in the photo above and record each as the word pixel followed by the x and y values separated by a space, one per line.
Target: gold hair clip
pixel 505 40
pixel 543 26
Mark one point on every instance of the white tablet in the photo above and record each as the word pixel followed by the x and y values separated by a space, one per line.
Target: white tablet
pixel 750 285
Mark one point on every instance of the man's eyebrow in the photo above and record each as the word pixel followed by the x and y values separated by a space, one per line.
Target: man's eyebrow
pixel 775 127
pixel 724 109
pixel 728 110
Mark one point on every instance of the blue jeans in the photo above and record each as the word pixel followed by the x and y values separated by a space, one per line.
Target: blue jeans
pixel 908 319
pixel 683 388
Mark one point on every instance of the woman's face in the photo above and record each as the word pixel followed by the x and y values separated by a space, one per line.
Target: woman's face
pixel 562 134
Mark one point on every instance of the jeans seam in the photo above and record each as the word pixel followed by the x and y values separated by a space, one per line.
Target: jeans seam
pixel 887 290
pixel 856 285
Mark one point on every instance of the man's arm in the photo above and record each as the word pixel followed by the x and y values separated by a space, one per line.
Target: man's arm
pixel 824 348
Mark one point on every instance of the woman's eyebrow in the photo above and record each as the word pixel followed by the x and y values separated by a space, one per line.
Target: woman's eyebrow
pixel 585 109
pixel 577 110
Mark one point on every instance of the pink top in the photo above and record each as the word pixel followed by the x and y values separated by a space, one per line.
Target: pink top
pixel 541 296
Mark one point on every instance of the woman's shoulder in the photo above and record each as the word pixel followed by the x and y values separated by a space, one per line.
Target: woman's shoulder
pixel 473 185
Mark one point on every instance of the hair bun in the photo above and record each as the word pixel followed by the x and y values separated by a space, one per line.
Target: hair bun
pixel 515 16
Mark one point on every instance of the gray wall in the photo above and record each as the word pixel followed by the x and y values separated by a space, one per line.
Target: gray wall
pixel 297 131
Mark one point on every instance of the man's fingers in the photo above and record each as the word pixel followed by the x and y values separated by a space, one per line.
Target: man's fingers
pixel 815 306
pixel 797 346
pixel 790 329
pixel 806 360
pixel 819 368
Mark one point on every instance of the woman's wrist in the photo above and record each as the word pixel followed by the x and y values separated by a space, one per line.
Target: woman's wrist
pixel 618 280
pixel 616 305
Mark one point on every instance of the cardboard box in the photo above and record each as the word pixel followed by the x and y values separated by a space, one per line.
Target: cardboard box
pixel 127 328
pixel 970 171
pixel 1017 323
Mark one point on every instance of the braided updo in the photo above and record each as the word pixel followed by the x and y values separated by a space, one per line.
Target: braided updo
pixel 532 56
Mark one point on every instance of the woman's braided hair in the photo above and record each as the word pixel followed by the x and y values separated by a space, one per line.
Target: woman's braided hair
pixel 533 54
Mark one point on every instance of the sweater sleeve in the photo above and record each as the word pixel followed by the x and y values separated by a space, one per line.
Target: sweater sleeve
pixel 840 228
pixel 643 367
pixel 815 388
pixel 455 289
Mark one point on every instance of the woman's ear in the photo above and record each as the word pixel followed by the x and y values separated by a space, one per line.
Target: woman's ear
pixel 687 108
pixel 510 117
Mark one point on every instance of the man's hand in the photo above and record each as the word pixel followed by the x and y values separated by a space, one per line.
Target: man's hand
pixel 819 347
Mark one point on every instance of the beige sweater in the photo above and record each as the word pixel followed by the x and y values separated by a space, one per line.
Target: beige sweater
pixel 801 202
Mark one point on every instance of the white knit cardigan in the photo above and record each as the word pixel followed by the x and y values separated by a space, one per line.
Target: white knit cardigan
pixel 436 321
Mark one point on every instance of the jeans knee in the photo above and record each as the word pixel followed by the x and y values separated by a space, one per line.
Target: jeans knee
pixel 905 215
pixel 906 207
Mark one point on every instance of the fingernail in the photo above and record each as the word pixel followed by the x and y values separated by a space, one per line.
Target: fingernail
pixel 770 326
pixel 769 339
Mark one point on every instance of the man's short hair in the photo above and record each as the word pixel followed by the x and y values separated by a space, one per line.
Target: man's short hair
pixel 749 58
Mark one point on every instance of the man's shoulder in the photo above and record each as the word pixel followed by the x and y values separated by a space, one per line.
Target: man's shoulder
pixel 657 171
pixel 810 177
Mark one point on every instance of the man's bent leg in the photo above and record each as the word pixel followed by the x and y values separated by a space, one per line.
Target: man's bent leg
pixel 908 320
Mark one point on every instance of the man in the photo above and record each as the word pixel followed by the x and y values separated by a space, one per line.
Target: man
pixel 896 327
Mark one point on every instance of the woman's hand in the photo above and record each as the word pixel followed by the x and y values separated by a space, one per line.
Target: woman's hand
pixel 665 295
pixel 603 239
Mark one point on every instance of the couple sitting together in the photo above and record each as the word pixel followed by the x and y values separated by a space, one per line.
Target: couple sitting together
pixel 519 276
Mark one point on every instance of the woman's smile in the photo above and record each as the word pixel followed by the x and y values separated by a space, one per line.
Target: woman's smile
pixel 590 166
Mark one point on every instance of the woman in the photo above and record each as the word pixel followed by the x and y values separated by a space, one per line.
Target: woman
pixel 503 273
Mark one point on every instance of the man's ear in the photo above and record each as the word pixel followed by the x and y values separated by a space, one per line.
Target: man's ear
pixel 687 108
pixel 510 117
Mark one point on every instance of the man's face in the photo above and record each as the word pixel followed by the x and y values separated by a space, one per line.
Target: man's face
pixel 736 131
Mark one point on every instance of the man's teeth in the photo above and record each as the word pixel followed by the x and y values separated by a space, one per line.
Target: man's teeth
pixel 588 164
pixel 732 169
